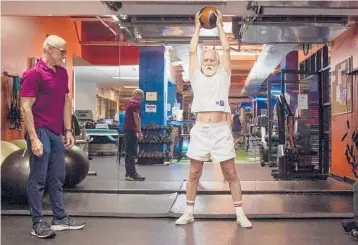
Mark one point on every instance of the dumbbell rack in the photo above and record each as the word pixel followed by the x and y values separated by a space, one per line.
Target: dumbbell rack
pixel 154 149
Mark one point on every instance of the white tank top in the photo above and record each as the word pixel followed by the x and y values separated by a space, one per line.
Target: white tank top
pixel 210 93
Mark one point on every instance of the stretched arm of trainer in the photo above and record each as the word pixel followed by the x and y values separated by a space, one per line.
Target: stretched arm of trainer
pixel 193 61
pixel 226 61
pixel 26 109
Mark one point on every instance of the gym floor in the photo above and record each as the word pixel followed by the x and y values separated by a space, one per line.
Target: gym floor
pixel 215 224
pixel 113 231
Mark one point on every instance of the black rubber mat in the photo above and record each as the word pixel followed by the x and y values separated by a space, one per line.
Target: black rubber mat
pixel 91 184
pixel 207 206
pixel 321 186
pixel 331 186
pixel 270 206
pixel 107 168
pixel 108 231
pixel 107 205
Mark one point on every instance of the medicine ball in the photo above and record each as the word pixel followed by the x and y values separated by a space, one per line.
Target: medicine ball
pixel 208 18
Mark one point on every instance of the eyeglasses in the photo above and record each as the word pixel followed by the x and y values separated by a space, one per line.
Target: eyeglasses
pixel 63 52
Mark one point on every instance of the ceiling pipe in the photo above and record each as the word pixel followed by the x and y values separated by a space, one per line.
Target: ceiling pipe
pixel 270 57
pixel 106 25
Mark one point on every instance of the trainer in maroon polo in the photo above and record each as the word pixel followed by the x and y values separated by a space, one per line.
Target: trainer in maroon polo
pixel 50 89
pixel 132 107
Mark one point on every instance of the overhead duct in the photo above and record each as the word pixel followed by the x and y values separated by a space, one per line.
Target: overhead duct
pixel 332 8
pixel 269 59
pixel 289 29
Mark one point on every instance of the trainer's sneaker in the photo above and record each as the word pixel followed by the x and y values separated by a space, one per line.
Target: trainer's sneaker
pixel 66 224
pixel 243 221
pixel 186 218
pixel 42 230
pixel 135 177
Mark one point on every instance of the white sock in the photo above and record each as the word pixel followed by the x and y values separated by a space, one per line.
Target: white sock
pixel 189 208
pixel 238 208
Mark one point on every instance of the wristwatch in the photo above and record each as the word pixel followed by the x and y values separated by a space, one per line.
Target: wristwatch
pixel 69 130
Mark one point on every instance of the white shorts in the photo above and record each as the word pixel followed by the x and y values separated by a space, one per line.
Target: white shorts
pixel 211 140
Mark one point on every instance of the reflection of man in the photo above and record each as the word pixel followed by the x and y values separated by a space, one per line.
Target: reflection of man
pixel 133 132
pixel 236 128
pixel 211 134
pixel 46 107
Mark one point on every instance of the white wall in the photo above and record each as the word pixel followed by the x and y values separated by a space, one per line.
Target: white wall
pixel 14 49
pixel 85 95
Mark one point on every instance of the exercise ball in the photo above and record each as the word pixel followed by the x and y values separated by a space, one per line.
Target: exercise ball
pixel 15 172
pixel 6 149
pixel 208 18
pixel 77 166
pixel 19 143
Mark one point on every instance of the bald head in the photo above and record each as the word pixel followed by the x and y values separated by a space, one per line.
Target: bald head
pixel 210 61
pixel 54 41
pixel 54 49
pixel 138 94
pixel 210 53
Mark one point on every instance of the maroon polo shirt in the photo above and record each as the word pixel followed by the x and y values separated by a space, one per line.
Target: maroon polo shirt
pixel 50 89
pixel 132 107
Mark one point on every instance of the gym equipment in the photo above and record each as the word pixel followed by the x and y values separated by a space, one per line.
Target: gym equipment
pixel 6 149
pixel 103 141
pixel 19 143
pixel 14 114
pixel 155 148
pixel 77 166
pixel 85 118
pixel 15 172
pixel 351 225
pixel 300 152
pixel 208 18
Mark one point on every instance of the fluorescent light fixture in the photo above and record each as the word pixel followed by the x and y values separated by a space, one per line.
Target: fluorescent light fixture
pixel 130 87
pixel 125 78
pixel 115 18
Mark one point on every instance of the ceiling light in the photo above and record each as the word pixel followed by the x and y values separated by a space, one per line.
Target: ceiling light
pixel 115 18
pixel 125 78
pixel 130 87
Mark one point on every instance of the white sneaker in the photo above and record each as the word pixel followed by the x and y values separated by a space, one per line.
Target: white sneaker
pixel 185 219
pixel 243 221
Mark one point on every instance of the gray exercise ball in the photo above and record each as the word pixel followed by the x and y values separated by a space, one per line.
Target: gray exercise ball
pixel 19 143
pixel 77 166
pixel 6 149
pixel 15 172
